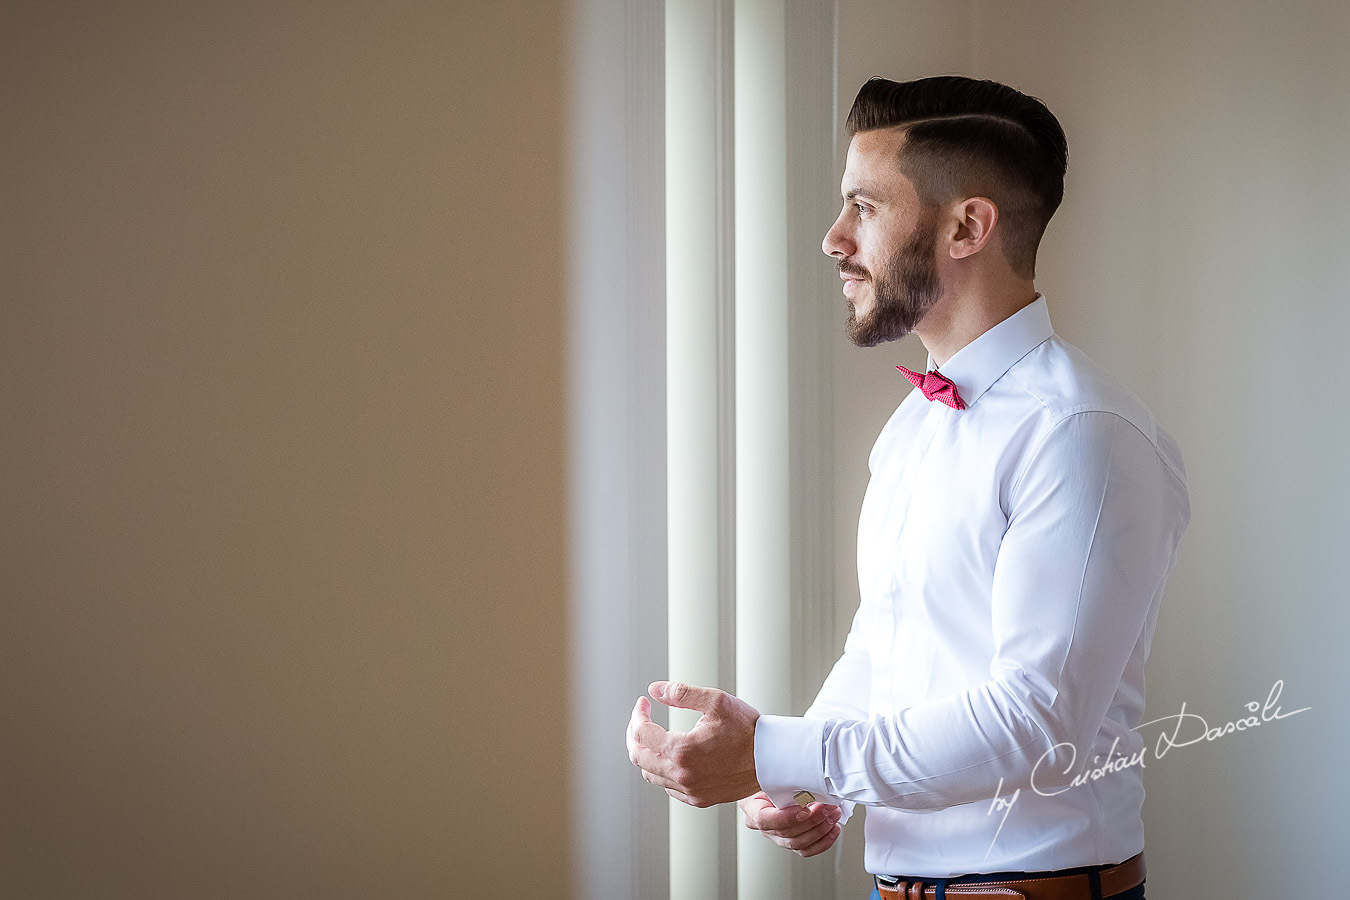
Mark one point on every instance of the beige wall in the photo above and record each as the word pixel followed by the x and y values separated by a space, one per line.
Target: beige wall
pixel 281 536
pixel 900 40
pixel 1200 255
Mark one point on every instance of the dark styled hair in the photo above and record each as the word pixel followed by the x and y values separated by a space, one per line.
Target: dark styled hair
pixel 969 138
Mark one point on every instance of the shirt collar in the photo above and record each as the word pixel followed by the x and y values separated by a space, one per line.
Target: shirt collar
pixel 977 365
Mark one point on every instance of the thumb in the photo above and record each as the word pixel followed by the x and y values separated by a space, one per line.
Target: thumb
pixel 684 696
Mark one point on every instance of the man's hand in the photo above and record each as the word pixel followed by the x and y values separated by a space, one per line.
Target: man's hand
pixel 805 830
pixel 714 762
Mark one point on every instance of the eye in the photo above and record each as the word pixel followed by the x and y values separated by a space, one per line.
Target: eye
pixel 861 209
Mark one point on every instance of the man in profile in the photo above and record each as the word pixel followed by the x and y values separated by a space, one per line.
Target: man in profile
pixel 1022 516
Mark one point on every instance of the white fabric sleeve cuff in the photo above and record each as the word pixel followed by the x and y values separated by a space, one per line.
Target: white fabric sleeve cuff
pixel 790 757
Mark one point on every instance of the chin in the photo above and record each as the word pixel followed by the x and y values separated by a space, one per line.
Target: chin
pixel 864 333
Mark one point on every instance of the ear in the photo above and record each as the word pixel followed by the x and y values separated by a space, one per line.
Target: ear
pixel 975 221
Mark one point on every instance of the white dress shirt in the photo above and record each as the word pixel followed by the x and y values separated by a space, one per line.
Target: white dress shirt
pixel 1011 559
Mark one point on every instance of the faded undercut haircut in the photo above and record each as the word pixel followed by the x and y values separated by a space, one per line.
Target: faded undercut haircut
pixel 968 138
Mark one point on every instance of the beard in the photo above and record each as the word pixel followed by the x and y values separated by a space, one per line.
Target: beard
pixel 903 291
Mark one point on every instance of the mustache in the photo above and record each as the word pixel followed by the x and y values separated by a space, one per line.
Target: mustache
pixel 853 270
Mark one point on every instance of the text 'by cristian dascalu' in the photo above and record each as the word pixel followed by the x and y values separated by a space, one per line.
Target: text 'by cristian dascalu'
pixel 1181 730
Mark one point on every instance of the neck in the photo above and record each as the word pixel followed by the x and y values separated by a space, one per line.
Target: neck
pixel 964 313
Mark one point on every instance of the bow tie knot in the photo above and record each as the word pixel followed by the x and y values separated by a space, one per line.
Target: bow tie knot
pixel 935 386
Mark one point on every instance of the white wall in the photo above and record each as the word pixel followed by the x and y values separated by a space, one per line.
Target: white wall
pixel 1200 255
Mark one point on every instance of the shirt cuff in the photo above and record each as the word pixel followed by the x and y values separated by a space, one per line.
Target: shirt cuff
pixel 790 757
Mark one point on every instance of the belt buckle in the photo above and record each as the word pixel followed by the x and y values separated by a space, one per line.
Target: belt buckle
pixel 889 881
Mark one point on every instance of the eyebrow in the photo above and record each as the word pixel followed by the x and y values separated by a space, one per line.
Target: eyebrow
pixel 863 192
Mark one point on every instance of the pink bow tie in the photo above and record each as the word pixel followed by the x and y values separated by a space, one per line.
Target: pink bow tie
pixel 935 386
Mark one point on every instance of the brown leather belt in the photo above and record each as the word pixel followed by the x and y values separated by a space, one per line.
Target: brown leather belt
pixel 1115 880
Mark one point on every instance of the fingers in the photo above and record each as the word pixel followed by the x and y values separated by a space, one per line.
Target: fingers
pixel 642 714
pixel 792 824
pixel 752 805
pixel 806 838
pixel 644 738
pixel 789 821
pixel 712 763
pixel 683 798
pixel 659 780
pixel 809 836
pixel 686 696
pixel 825 842
pixel 828 809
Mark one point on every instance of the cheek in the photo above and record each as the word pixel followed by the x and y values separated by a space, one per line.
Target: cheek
pixel 876 244
pixel 877 258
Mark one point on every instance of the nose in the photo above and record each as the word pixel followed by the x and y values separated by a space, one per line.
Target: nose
pixel 838 240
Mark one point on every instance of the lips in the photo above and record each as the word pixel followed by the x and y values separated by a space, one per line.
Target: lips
pixel 851 280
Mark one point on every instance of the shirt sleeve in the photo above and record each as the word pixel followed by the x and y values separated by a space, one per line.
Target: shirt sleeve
pixel 845 695
pixel 1093 525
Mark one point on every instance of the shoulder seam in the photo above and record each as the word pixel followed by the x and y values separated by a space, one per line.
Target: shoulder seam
pixel 1035 452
